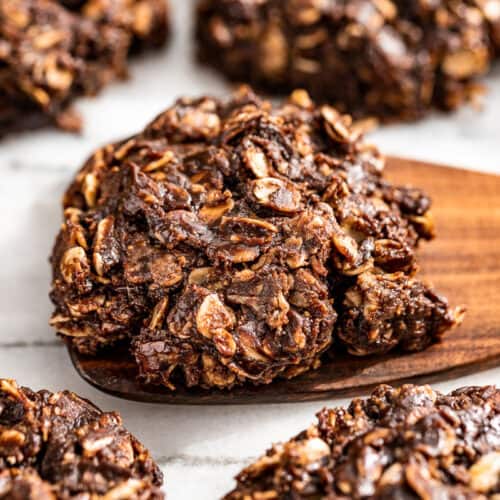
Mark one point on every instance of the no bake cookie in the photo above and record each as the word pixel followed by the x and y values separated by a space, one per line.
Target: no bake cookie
pixel 407 443
pixel 233 241
pixel 51 54
pixel 393 59
pixel 58 446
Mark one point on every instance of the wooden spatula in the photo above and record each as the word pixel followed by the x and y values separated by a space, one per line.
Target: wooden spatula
pixel 463 263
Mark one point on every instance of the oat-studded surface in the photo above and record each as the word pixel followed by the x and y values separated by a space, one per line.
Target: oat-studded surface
pixel 231 241
pixel 407 443
pixel 147 21
pixel 50 54
pixel 394 59
pixel 57 446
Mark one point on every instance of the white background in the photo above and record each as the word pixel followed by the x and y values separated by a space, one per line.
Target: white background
pixel 199 448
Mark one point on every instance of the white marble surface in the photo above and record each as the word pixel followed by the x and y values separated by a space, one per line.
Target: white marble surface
pixel 199 448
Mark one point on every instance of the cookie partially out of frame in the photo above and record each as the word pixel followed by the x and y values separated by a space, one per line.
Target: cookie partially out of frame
pixel 232 241
pixel 393 59
pixel 52 52
pixel 58 446
pixel 407 443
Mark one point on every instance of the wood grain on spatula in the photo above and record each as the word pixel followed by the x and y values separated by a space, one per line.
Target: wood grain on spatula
pixel 463 263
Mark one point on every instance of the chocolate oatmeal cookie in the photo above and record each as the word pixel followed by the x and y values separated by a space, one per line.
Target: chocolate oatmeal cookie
pixel 393 59
pixel 57 446
pixel 407 443
pixel 50 54
pixel 232 241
